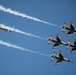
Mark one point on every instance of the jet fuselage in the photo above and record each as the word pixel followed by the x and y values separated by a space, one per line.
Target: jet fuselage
pixel 73 30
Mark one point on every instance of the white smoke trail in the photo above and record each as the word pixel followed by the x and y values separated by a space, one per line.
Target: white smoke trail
pixel 21 32
pixel 8 10
pixel 21 48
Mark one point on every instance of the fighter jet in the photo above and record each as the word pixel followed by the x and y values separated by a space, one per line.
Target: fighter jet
pixel 57 41
pixel 59 58
pixel 4 29
pixel 70 29
pixel 73 46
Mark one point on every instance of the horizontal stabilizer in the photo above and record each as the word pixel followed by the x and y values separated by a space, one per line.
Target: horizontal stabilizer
pixel 53 56
pixel 68 45
pixel 64 27
pixel 50 39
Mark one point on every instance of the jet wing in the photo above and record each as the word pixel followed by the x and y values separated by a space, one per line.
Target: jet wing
pixel 55 45
pixel 69 32
pixel 58 37
pixel 57 62
pixel 73 47
pixel 72 50
pixel 61 55
pixel 75 42
pixel 72 26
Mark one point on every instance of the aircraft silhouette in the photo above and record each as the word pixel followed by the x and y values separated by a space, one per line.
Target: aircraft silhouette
pixel 73 46
pixel 57 41
pixel 59 58
pixel 70 29
pixel 4 29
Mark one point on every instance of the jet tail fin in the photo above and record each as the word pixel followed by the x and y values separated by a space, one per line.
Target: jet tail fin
pixel 53 56
pixel 50 39
pixel 68 45
pixel 64 27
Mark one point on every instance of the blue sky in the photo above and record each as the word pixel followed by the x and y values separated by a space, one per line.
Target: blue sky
pixel 16 62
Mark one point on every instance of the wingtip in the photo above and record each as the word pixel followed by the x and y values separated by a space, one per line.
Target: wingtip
pixel 56 64
pixel 58 35
pixel 71 52
pixel 60 50
pixel 67 35
pixel 71 22
pixel 64 22
pixel 53 48
pixel 74 40
pixel 51 35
